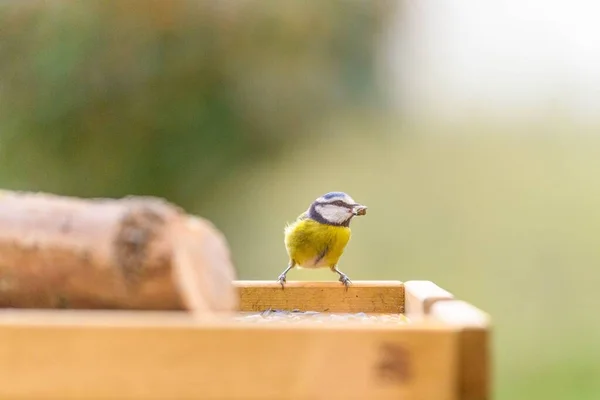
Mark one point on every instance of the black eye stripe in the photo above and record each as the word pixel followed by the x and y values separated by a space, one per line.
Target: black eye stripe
pixel 338 203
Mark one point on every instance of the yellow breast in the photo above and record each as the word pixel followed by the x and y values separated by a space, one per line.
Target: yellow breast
pixel 311 244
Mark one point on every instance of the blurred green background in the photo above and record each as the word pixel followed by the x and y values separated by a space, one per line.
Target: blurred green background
pixel 244 112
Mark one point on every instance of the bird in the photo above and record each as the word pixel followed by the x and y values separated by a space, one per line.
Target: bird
pixel 318 236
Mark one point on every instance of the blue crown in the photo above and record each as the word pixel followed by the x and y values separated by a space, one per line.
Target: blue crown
pixel 332 195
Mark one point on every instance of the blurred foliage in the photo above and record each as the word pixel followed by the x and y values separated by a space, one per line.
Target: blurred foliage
pixel 106 98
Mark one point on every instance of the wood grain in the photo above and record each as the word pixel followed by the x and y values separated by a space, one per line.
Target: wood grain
pixel 420 296
pixel 361 296
pixel 474 346
pixel 131 253
pixel 74 355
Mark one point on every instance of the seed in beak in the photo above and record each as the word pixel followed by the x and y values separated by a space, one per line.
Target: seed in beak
pixel 360 210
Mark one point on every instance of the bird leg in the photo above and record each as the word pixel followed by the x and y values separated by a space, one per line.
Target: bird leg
pixel 281 278
pixel 343 277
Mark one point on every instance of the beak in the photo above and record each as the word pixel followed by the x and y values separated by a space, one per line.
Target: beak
pixel 360 210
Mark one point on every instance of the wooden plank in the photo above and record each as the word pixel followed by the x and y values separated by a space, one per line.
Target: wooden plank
pixel 420 296
pixel 361 296
pixel 474 344
pixel 147 356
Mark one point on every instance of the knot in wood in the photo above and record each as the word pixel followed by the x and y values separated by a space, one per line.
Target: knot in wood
pixel 139 228
pixel 393 366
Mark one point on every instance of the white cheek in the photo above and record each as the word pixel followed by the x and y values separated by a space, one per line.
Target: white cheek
pixel 333 213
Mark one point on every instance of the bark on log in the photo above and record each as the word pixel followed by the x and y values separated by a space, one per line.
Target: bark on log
pixel 130 253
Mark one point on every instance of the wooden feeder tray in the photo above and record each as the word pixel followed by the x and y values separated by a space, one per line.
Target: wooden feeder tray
pixel 440 352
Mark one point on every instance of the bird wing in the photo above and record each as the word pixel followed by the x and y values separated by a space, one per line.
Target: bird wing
pixel 323 253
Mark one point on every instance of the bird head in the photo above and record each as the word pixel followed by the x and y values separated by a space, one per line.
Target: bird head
pixel 335 208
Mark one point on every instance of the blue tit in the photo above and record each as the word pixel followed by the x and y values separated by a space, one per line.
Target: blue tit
pixel 319 236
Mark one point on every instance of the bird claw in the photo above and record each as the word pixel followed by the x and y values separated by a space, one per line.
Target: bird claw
pixel 345 280
pixel 281 280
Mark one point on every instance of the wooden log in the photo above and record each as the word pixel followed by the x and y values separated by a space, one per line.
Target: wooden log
pixel 130 253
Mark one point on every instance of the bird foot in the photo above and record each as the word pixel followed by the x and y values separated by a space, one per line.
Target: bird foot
pixel 345 280
pixel 281 280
